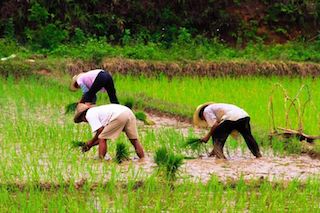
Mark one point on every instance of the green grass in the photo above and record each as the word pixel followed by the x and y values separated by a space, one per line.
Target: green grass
pixel 154 196
pixel 95 49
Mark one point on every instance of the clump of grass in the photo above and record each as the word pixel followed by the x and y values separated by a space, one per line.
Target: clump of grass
pixel 140 116
pixel 70 108
pixel 76 144
pixel 122 152
pixel 129 103
pixel 169 161
pixel 195 144
pixel 143 117
pixel 161 156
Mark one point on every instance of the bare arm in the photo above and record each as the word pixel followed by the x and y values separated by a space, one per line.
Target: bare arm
pixel 94 141
pixel 210 133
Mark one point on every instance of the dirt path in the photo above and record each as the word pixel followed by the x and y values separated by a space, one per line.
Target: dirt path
pixel 240 163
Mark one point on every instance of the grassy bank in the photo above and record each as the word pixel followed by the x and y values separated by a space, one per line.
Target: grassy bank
pixel 96 49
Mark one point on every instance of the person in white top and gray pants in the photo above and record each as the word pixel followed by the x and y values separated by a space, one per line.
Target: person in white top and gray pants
pixel 222 120
pixel 107 122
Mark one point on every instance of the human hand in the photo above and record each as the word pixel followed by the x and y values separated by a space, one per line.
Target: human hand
pixel 85 148
pixel 204 139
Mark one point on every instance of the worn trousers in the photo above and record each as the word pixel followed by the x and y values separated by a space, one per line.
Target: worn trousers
pixel 103 80
pixel 222 132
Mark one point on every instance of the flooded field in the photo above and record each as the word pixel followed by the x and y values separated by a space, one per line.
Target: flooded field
pixel 240 163
pixel 41 169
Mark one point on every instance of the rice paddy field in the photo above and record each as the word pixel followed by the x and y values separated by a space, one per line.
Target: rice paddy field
pixel 41 171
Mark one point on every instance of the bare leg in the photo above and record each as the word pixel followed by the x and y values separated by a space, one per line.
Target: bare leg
pixel 102 147
pixel 218 149
pixel 137 147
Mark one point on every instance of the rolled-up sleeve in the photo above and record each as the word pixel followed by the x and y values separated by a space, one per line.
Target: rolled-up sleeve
pixel 84 88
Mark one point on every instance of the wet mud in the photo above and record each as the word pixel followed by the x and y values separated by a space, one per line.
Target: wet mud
pixel 240 163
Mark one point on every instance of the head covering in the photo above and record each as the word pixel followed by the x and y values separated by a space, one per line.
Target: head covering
pixel 73 82
pixel 81 108
pixel 197 121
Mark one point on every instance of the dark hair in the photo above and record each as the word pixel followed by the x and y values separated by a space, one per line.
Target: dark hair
pixel 201 112
pixel 83 113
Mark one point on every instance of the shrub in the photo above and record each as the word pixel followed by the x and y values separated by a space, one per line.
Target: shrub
pixel 48 37
pixel 79 36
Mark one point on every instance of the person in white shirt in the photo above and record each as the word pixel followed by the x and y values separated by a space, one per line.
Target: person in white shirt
pixel 107 122
pixel 222 120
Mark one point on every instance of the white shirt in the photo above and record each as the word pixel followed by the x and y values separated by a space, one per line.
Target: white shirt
pixel 101 116
pixel 222 112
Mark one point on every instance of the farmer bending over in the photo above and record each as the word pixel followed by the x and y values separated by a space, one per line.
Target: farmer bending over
pixel 107 122
pixel 91 82
pixel 223 119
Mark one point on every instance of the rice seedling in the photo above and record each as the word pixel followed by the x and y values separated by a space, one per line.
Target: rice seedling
pixel 129 103
pixel 70 108
pixel 122 152
pixel 193 143
pixel 143 117
pixel 161 156
pixel 77 144
pixel 169 161
pixel 140 116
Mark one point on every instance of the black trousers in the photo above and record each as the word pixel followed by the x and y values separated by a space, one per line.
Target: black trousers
pixel 103 80
pixel 222 132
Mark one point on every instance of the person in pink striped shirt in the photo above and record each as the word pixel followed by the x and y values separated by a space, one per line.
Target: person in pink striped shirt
pixel 93 81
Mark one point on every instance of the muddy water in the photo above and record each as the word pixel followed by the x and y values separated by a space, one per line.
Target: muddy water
pixel 166 121
pixel 239 163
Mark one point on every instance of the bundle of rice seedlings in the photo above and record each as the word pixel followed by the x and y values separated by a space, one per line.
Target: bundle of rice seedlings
pixel 140 116
pixel 70 108
pixel 143 117
pixel 193 143
pixel 122 152
pixel 129 103
pixel 161 156
pixel 173 164
pixel 169 161
pixel 77 143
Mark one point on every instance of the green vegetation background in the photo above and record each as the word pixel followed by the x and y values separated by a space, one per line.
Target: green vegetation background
pixel 166 30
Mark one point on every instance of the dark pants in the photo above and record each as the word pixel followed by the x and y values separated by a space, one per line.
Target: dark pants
pixel 103 80
pixel 222 132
